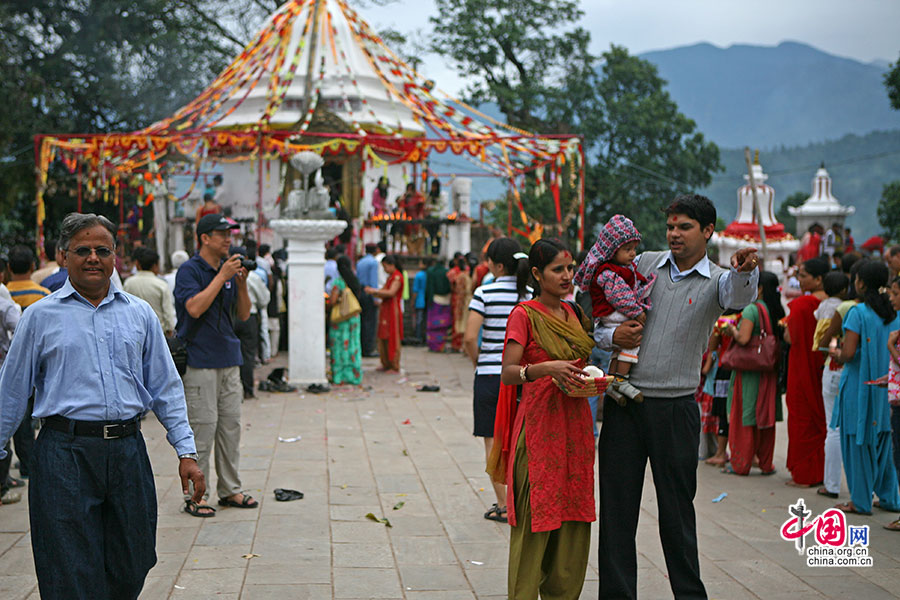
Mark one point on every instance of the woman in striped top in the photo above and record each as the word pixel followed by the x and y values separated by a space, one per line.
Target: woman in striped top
pixel 488 311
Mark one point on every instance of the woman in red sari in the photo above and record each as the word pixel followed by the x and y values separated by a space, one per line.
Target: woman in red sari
pixel 390 314
pixel 806 411
pixel 547 452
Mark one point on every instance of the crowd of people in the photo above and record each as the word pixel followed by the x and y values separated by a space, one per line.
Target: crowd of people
pixel 533 324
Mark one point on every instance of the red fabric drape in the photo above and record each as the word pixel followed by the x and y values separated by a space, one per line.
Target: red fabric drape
pixel 806 412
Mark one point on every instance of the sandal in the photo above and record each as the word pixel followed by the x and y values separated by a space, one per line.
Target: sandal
pixel 848 507
pixel 496 513
pixel 877 504
pixel 246 502
pixel 893 525
pixel 824 492
pixel 192 508
pixel 772 472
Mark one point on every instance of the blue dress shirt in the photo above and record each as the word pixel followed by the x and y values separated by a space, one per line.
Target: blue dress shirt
pixel 104 363
pixel 367 271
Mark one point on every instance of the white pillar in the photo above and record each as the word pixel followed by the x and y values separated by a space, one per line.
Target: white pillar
pixel 306 295
pixel 459 235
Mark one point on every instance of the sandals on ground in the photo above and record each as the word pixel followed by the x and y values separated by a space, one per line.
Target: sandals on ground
pixel 496 513
pixel 893 525
pixel 192 508
pixel 246 502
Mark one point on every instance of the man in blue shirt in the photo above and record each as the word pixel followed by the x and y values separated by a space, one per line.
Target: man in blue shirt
pixel 207 288
pixel 97 361
pixel 367 272
pixel 418 289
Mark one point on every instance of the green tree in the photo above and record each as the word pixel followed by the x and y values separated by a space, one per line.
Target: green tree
pixel 644 151
pixel 786 218
pixel 516 54
pixel 88 66
pixel 532 60
pixel 892 83
pixel 889 210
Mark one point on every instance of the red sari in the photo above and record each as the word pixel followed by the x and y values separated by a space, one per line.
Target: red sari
pixel 806 411
pixel 390 323
pixel 559 438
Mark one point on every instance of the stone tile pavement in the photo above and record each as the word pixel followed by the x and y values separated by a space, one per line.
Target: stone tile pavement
pixel 410 457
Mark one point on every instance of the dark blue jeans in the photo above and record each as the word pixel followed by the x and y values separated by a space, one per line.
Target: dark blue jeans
pixel 92 504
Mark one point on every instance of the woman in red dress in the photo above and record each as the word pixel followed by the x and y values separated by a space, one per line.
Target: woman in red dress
pixel 390 314
pixel 806 411
pixel 546 456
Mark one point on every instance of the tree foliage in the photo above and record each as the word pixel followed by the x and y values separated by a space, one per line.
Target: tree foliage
pixel 889 210
pixel 532 60
pixel 516 54
pixel 892 83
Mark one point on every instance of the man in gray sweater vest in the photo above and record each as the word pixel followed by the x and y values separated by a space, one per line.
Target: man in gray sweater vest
pixel 690 293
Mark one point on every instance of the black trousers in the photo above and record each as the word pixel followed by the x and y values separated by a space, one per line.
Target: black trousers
pixel 92 504
pixel 666 431
pixel 248 333
pixel 368 323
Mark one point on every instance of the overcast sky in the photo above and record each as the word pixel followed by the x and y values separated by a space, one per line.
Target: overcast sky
pixel 862 29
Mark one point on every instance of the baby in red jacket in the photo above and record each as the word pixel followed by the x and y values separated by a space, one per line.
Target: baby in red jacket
pixel 618 294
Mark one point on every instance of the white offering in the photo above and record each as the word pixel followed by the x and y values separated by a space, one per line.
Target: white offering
pixel 593 372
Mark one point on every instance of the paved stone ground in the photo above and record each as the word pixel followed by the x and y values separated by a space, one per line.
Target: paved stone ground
pixel 358 455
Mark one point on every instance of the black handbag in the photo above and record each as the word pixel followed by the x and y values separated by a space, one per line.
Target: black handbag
pixel 178 346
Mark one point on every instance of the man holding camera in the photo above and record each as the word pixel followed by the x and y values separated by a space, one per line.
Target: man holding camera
pixel 208 287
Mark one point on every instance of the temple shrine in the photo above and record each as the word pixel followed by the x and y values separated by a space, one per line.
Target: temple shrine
pixel 821 207
pixel 743 232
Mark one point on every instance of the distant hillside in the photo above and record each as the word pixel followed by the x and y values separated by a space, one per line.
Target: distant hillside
pixel 859 167
pixel 791 94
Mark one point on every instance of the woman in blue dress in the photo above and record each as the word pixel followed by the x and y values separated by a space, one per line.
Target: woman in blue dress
pixel 861 409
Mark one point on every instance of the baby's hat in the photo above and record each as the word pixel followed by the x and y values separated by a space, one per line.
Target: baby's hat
pixel 618 231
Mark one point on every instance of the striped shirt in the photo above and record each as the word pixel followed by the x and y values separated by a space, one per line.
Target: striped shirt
pixel 494 302
pixel 26 292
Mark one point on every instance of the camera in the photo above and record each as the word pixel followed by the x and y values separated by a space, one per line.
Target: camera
pixel 248 264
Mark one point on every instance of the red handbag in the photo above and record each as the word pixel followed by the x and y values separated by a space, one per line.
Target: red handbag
pixel 761 353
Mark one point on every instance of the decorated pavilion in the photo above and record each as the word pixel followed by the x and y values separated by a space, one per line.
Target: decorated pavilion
pixel 316 78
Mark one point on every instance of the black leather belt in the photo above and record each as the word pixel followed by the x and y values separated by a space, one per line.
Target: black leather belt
pixel 107 431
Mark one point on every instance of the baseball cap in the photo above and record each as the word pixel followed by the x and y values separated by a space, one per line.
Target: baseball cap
pixel 214 223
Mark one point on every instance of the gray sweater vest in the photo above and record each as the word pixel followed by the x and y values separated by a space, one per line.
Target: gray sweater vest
pixel 679 323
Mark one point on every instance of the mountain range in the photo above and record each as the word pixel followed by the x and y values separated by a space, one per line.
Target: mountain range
pixel 767 96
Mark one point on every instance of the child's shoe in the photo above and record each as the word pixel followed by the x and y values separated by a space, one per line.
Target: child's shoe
pixel 613 392
pixel 625 389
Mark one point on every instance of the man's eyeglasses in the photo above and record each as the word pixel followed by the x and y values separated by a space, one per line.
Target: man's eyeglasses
pixel 85 251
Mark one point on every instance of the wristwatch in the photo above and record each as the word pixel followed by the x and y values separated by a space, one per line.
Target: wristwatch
pixel 193 455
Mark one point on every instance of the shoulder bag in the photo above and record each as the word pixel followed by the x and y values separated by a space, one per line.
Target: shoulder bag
pixel 346 307
pixel 761 353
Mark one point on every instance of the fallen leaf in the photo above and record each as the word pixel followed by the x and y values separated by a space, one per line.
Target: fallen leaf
pixel 250 556
pixel 405 453
pixel 372 517
pixel 399 505
pixel 407 422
